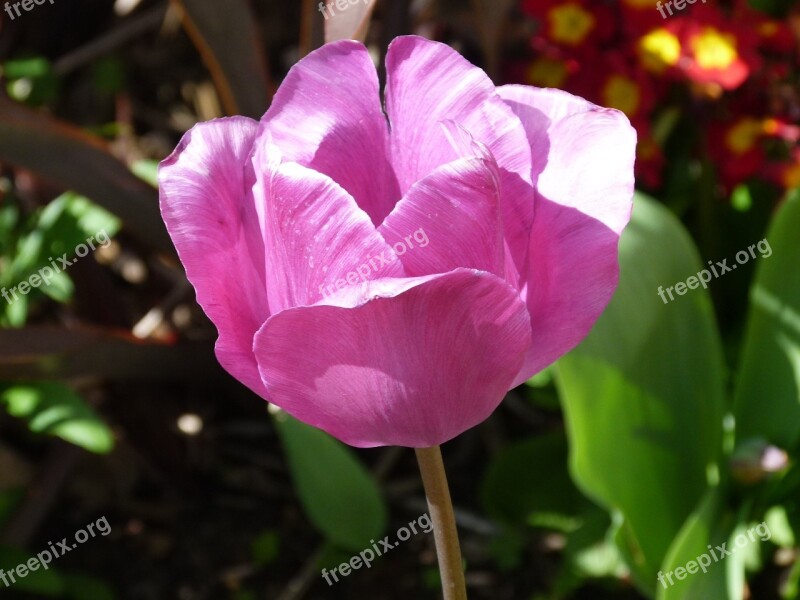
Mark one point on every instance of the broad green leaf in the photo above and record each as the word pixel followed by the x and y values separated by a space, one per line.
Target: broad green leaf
pixel 45 582
pixel 339 495
pixel 767 397
pixel 53 409
pixel 643 394
pixel 527 481
pixel 83 587
pixel 507 548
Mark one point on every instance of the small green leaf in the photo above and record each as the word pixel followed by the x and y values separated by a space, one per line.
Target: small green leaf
pixel 340 497
pixel 35 66
pixel 780 527
pixel 147 170
pixel 266 547
pixel 53 409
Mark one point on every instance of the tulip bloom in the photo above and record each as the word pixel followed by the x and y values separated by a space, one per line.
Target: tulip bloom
pixel 303 237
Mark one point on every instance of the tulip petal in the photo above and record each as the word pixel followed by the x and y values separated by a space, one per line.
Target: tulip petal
pixel 315 235
pixel 211 217
pixel 427 84
pixel 458 201
pixel 418 364
pixel 327 116
pixel 574 266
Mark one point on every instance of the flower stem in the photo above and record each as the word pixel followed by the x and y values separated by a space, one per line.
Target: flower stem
pixel 444 522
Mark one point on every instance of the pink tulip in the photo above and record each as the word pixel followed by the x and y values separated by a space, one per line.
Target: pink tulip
pixel 304 236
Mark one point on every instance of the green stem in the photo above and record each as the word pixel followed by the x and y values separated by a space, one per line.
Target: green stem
pixel 440 508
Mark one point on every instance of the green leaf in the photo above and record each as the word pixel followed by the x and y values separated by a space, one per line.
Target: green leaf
pixel 712 575
pixel 9 500
pixel 266 547
pixel 48 582
pixel 590 552
pixel 339 496
pixel 643 394
pixel 81 587
pixel 15 314
pixel 60 289
pixel 53 409
pixel 780 527
pixel 767 397
pixel 65 226
pixel 34 66
pixel 527 481
pixel 108 75
pixel 30 80
pixel 147 170
pixel 507 548
pixel 65 223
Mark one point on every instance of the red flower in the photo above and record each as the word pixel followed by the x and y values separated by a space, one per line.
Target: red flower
pixel 571 24
pixel 715 51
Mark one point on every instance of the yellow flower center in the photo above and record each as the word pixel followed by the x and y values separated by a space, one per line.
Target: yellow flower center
pixel 714 50
pixel 659 48
pixel 622 93
pixel 570 23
